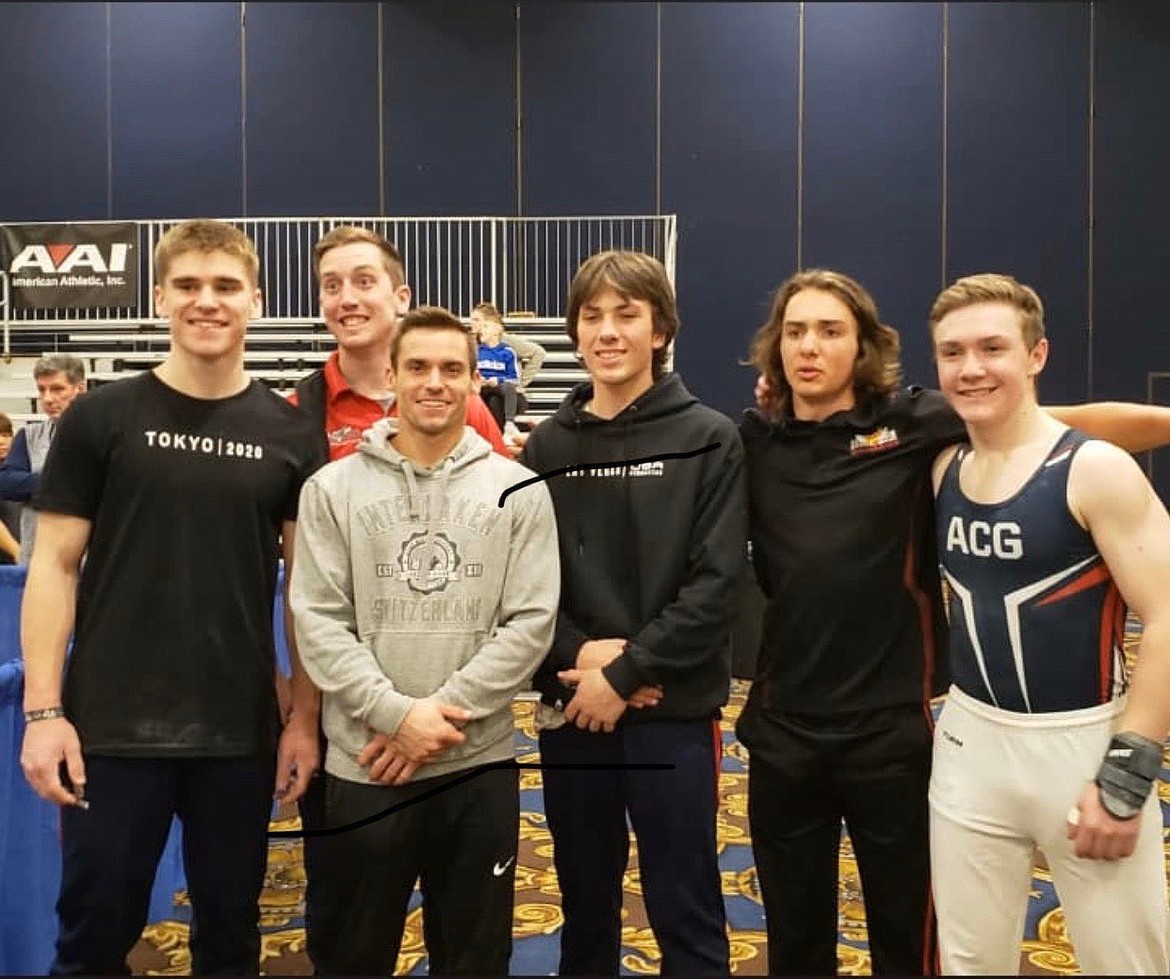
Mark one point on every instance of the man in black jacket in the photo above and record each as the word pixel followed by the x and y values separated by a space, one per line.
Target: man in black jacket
pixel 651 552
pixel 838 722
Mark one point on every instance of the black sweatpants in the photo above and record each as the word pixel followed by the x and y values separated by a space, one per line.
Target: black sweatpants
pixel 673 815
pixel 110 854
pixel 806 774
pixel 460 844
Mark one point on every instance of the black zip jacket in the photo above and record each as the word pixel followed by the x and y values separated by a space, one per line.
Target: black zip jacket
pixel 311 395
pixel 843 545
pixel 651 553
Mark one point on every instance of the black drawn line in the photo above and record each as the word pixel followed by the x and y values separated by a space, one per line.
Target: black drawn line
pixel 285 834
pixel 541 477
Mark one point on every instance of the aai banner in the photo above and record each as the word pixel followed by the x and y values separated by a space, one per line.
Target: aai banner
pixel 75 266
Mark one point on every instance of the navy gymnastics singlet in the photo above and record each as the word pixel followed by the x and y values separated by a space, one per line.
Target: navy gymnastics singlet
pixel 1036 621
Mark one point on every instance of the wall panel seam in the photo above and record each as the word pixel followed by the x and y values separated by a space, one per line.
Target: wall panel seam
pixel 243 108
pixel 109 112
pixel 519 117
pixel 658 112
pixel 1091 203
pixel 946 68
pixel 800 136
pixel 381 102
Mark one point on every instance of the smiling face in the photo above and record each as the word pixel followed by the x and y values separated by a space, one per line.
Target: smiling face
pixel 360 300
pixel 985 368
pixel 208 298
pixel 819 347
pixel 616 339
pixel 433 377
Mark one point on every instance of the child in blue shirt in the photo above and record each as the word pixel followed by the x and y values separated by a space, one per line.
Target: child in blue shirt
pixel 497 366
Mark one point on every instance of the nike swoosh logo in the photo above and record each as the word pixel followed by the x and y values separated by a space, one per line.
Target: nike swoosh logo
pixel 498 869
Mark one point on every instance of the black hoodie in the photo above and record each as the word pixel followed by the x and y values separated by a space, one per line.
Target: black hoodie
pixel 652 553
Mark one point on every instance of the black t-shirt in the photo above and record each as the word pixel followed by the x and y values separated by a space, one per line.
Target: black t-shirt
pixel 842 529
pixel 173 652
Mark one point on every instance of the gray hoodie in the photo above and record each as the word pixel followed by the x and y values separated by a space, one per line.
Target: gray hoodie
pixel 411 582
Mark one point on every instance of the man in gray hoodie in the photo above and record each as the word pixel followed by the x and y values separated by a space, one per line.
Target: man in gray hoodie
pixel 424 597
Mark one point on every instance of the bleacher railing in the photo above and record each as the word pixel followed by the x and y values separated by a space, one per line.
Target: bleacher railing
pixel 521 264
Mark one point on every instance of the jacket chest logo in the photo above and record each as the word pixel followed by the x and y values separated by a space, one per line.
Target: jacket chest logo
pixel 880 440
pixel 343 435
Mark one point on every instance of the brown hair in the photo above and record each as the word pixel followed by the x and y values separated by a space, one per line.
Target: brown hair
pixel 205 235
pixel 433 318
pixel 877 370
pixel 992 287
pixel 348 234
pixel 5 425
pixel 632 275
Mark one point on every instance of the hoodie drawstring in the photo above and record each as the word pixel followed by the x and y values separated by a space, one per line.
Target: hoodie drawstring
pixel 434 503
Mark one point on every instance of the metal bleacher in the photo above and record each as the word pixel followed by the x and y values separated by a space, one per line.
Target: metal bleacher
pixel 522 265
pixel 280 358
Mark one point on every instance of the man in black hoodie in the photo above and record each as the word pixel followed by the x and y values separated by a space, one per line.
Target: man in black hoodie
pixel 652 548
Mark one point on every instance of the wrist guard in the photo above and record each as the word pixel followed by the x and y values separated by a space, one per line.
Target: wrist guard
pixel 1127 773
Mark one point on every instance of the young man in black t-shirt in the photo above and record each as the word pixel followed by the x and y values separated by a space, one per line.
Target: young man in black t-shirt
pixel 177 487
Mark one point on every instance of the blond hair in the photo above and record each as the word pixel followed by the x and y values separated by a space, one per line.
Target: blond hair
pixel 488 311
pixel 993 287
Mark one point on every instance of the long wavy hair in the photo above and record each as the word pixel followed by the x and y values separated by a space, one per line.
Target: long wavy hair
pixel 877 370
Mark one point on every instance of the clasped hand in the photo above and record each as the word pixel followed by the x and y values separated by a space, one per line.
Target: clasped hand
pixel 596 706
pixel 429 728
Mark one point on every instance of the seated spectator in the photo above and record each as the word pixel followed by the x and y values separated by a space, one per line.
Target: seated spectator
pixel 498 367
pixel 6 435
pixel 529 353
pixel 9 512
pixel 59 378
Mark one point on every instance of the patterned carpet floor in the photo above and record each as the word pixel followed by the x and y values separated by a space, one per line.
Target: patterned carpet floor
pixel 163 948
